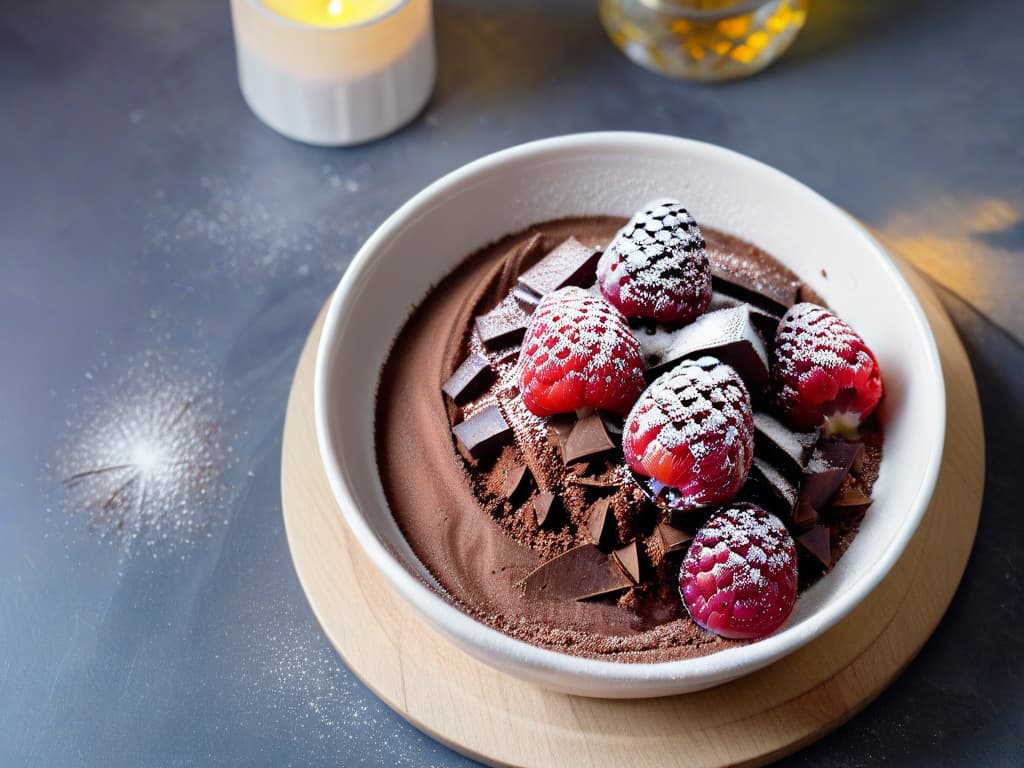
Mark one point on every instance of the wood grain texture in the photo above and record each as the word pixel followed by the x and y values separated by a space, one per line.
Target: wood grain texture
pixel 502 721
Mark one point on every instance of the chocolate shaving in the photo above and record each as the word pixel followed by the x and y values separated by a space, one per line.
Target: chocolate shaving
pixel 571 263
pixel 766 322
pixel 559 428
pixel 469 379
pixel 599 523
pixel 804 515
pixel 545 507
pixel 483 433
pixel 517 483
pixel 628 559
pixel 672 539
pixel 526 299
pixel 817 543
pixel 507 356
pixel 772 488
pixel 727 334
pixel 827 469
pixel 501 328
pixel 581 573
pixel 840 453
pixel 775 299
pixel 588 438
pixel 849 495
pixel 787 449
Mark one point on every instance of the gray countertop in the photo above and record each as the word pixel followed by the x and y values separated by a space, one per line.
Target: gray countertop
pixel 163 255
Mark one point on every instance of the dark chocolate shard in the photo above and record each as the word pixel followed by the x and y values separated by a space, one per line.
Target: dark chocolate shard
pixel 526 299
pixel 628 559
pixel 502 326
pixel 469 379
pixel 588 438
pixel 673 539
pixel 786 448
pixel 507 356
pixel 483 433
pixel 850 496
pixel 819 485
pixel 817 543
pixel 766 322
pixel 571 263
pixel 804 515
pixel 727 334
pixel 517 483
pixel 545 507
pixel 772 298
pixel 840 453
pixel 559 428
pixel 581 573
pixel 772 488
pixel 599 523
pixel 828 467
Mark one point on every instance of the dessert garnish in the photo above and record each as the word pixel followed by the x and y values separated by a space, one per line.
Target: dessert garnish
pixel 483 433
pixel 502 326
pixel 469 379
pixel 727 334
pixel 817 543
pixel 578 354
pixel 589 438
pixel 739 575
pixel 665 433
pixel 582 573
pixel 692 434
pixel 824 374
pixel 656 267
pixel 571 263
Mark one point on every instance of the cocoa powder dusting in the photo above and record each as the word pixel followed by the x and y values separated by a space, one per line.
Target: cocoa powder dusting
pixel 483 544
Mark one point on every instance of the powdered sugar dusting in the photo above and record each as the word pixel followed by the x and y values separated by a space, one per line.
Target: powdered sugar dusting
pixel 823 368
pixel 739 577
pixel 657 265
pixel 578 352
pixel 700 412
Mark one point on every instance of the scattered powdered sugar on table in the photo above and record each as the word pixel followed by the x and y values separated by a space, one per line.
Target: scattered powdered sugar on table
pixel 145 458
pixel 312 697
pixel 251 237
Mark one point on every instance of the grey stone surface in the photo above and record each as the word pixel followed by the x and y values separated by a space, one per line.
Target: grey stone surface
pixel 163 254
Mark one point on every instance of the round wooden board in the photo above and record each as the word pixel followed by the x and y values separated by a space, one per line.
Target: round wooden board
pixel 499 720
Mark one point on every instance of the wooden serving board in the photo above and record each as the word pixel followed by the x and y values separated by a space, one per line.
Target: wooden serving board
pixel 499 720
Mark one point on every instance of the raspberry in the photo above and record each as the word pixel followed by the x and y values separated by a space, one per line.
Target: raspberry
pixel 692 433
pixel 824 374
pixel 656 267
pixel 739 576
pixel 579 353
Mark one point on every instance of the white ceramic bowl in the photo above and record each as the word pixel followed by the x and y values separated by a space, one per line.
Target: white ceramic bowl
pixel 616 173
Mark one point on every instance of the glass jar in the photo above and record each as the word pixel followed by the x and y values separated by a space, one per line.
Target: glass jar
pixel 703 39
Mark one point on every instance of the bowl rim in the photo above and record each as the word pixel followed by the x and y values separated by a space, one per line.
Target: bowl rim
pixel 541 662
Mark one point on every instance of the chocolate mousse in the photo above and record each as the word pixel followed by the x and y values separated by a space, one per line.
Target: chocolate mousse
pixel 538 526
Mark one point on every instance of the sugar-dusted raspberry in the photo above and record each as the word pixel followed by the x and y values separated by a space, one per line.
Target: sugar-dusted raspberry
pixel 692 434
pixel 824 375
pixel 579 353
pixel 657 266
pixel 738 578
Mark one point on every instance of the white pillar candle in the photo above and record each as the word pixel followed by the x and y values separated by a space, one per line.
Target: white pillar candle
pixel 334 72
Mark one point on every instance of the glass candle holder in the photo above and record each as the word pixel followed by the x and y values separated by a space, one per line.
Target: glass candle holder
pixel 334 72
pixel 703 39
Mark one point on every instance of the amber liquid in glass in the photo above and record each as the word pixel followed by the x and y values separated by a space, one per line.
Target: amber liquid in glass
pixel 703 39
